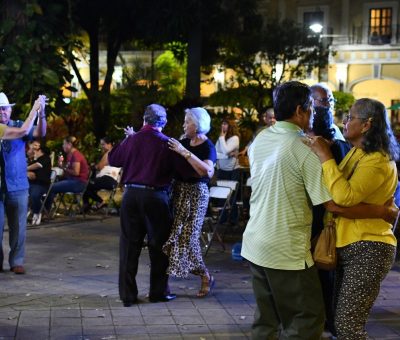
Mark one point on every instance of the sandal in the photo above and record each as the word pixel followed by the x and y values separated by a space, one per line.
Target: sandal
pixel 207 285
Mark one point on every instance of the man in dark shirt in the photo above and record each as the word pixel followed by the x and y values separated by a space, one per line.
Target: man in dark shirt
pixel 148 166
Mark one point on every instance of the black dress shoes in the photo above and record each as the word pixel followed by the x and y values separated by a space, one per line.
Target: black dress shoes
pixel 129 303
pixel 162 298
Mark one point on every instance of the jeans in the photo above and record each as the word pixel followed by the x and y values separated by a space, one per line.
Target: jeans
pixel 36 191
pixel 15 205
pixel 66 185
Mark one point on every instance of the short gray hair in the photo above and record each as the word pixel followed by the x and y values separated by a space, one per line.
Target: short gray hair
pixel 200 118
pixel 155 115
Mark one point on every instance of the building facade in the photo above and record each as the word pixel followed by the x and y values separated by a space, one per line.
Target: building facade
pixel 364 41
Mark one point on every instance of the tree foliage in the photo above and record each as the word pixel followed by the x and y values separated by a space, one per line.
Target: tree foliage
pixel 31 61
pixel 255 57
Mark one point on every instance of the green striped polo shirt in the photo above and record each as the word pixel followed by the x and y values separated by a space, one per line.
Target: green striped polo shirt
pixel 286 180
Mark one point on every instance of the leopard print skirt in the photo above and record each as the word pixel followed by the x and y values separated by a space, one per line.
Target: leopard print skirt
pixel 190 201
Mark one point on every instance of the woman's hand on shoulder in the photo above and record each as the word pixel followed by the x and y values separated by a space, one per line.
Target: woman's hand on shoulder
pixel 176 146
pixel 320 146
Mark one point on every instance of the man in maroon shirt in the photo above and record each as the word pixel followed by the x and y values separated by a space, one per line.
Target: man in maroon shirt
pixel 148 166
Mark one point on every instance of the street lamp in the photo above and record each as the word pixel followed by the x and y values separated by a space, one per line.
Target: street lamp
pixel 316 27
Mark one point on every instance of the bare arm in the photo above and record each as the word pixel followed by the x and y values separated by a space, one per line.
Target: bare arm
pixel 203 168
pixel 387 212
pixel 103 162
pixel 34 166
pixel 19 132
pixel 41 127
pixel 74 170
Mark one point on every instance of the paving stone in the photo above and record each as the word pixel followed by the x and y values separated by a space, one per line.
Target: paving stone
pixel 128 321
pixel 189 320
pixel 74 295
pixel 130 330
pixel 162 329
pixel 8 330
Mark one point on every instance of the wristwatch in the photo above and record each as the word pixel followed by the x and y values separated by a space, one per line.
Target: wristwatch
pixel 187 155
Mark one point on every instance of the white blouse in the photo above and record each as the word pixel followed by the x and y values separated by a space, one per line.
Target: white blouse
pixel 224 148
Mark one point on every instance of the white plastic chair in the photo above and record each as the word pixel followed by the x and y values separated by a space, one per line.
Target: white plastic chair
pixel 212 221
pixel 111 194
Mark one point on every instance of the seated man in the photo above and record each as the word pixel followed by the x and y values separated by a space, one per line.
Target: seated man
pixel 39 170
pixel 106 177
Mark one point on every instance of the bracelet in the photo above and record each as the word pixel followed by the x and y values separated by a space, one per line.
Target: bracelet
pixel 187 155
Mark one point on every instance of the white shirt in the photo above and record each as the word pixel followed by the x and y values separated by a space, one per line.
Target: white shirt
pixel 224 148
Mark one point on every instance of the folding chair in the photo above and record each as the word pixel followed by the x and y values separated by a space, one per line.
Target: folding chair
pixel 234 185
pixel 53 177
pixel 215 211
pixel 71 202
pixel 110 194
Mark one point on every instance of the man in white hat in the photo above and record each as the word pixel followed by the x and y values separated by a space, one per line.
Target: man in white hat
pixel 14 181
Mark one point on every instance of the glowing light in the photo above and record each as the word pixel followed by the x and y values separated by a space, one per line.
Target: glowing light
pixel 316 28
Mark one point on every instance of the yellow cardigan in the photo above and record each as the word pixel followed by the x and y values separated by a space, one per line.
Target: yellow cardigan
pixel 373 181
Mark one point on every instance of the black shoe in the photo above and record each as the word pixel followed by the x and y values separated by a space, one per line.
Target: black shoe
pixel 129 303
pixel 162 298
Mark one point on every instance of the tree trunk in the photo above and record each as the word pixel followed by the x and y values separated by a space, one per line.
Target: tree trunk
pixel 194 63
pixel 94 95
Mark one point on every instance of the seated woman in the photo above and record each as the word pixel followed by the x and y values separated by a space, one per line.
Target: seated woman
pixel 76 172
pixel 227 148
pixel 106 177
pixel 39 170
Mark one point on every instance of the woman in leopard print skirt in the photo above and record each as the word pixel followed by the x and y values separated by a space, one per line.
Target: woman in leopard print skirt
pixel 190 199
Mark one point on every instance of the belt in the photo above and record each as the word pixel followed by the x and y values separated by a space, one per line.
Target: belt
pixel 142 186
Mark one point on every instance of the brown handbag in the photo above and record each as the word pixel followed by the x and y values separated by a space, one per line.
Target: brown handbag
pixel 324 244
pixel 324 253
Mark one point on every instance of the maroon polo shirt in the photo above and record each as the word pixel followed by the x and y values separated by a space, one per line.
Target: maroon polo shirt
pixel 145 158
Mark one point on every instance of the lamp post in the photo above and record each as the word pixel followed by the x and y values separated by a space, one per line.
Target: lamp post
pixel 317 28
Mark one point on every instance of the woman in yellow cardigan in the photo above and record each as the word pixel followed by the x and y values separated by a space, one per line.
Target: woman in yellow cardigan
pixel 366 247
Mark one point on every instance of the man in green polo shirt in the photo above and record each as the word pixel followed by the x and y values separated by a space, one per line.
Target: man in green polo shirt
pixel 286 181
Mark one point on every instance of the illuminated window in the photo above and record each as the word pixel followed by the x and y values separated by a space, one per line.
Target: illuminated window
pixel 380 25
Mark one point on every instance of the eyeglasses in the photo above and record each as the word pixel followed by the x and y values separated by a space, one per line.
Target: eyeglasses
pixel 325 100
pixel 4 108
pixel 349 118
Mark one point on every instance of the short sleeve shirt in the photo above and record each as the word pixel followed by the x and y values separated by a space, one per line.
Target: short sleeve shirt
pixel 77 157
pixel 203 151
pixel 43 173
pixel 286 181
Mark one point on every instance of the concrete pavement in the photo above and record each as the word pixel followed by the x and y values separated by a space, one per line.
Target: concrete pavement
pixel 70 292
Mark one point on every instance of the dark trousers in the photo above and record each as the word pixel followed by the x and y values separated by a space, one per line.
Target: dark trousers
pixel 144 211
pixel 103 182
pixel 289 302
